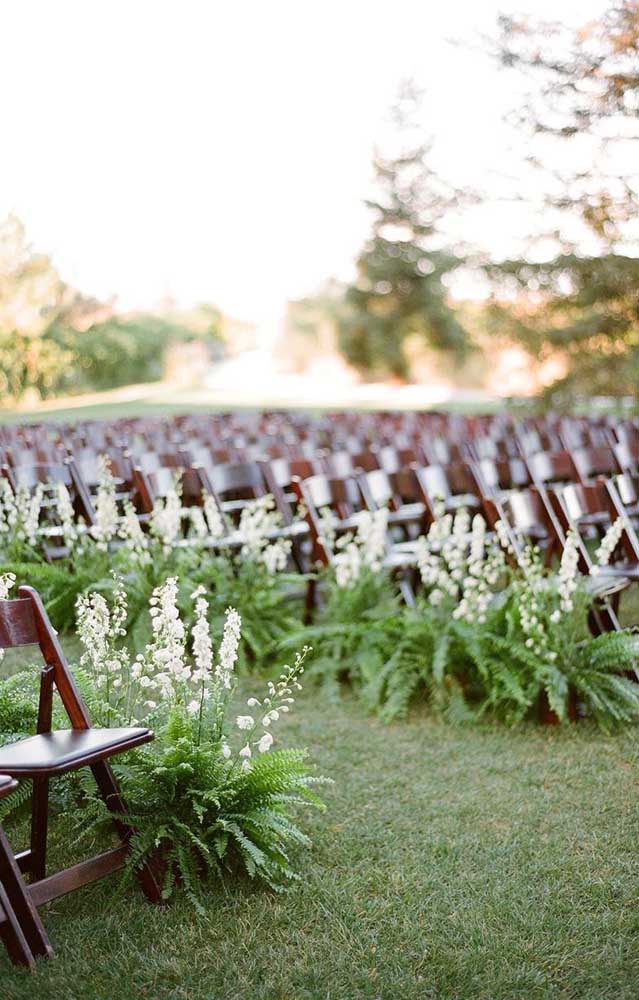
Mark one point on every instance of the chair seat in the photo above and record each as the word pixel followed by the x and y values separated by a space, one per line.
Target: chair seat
pixel 66 749
pixel 606 584
pixel 7 785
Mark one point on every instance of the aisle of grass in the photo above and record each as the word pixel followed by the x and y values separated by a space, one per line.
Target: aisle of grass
pixel 452 863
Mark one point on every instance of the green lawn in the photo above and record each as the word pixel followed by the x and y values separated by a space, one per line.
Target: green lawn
pixel 157 399
pixel 452 863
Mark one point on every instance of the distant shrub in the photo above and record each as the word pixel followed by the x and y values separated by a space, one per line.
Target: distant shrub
pixel 115 352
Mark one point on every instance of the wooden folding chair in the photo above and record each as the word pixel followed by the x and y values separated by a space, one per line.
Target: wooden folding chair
pixel 48 754
pixel 18 917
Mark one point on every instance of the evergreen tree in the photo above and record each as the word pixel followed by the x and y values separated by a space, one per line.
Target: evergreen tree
pixel 582 120
pixel 400 288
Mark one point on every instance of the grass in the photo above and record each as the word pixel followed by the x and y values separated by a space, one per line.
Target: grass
pixel 158 399
pixel 456 863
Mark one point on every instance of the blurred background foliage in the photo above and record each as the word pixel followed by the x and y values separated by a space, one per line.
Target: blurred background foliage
pixel 571 302
pixel 54 340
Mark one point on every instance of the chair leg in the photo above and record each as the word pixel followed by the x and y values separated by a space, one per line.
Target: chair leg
pixel 406 590
pixel 11 934
pixel 114 802
pixel 311 600
pixel 20 901
pixel 39 827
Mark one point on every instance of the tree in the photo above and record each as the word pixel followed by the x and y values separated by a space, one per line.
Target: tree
pixel 582 120
pixel 400 288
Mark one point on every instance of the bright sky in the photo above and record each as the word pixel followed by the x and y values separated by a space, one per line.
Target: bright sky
pixel 221 151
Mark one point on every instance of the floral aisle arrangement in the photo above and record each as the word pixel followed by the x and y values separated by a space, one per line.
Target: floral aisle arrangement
pixel 211 795
pixel 492 631
pixel 253 575
pixel 180 541
pixel 535 647
pixel 359 601
pixel 463 572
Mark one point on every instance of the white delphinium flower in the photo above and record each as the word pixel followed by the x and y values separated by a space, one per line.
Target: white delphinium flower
pixel 7 506
pixel 277 702
pixel 275 556
pixel 326 534
pixel 258 521
pixel 67 515
pixel 213 517
pixel 166 517
pixel 609 543
pixel 7 581
pixel 245 722
pixel 265 742
pixel 135 540
pixel 198 523
pixel 568 570
pixel 31 513
pixel 347 561
pixel 371 536
pixel 228 651
pixel 202 651
pixel 504 538
pixel 364 550
pixel 165 656
pixel 106 509
pixel 100 630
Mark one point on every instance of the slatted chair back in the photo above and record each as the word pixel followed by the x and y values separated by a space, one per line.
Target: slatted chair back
pixel 24 622
pixel 50 477
pixel 342 497
pixel 579 505
pixel 235 485
pixel 529 519
pixel 627 456
pixel 591 463
pixel 279 474
pixel 150 487
pixel 453 486
pixel 401 494
pixel 339 464
pixel 547 468
pixel 627 486
pixel 501 476
pixel 366 461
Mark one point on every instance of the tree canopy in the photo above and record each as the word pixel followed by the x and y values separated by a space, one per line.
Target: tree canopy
pixel 400 289
pixel 582 117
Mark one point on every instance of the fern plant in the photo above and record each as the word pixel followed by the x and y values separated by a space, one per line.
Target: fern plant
pixel 350 628
pixel 208 797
